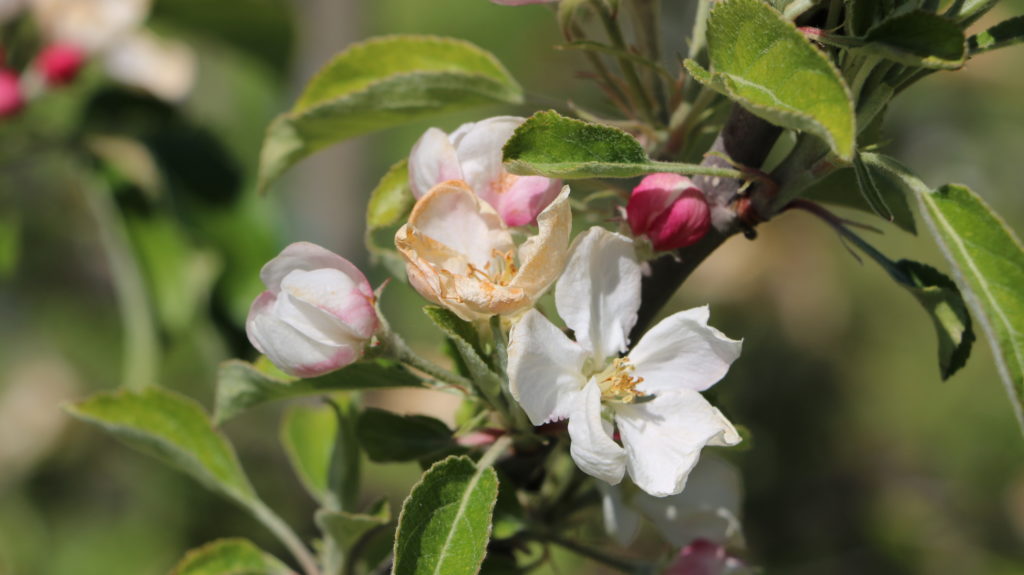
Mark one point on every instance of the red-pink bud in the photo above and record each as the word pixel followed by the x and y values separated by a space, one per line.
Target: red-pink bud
pixel 11 99
pixel 59 63
pixel 701 557
pixel 669 210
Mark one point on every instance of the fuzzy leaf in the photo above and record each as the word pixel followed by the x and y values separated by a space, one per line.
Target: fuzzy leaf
pixel 918 38
pixel 446 520
pixel 241 386
pixel 761 61
pixel 989 263
pixel 175 430
pixel 230 557
pixel 381 83
pixel 387 436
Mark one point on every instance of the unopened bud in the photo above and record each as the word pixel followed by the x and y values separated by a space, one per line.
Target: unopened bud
pixel 670 210
pixel 11 100
pixel 317 313
pixel 60 63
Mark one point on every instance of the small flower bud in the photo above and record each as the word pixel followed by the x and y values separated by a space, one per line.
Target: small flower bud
pixel 669 210
pixel 317 314
pixel 60 63
pixel 11 100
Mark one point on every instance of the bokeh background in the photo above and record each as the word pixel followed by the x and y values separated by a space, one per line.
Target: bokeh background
pixel 860 460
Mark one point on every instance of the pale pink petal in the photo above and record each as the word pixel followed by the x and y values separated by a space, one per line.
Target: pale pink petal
pixel 598 294
pixel 663 438
pixel 683 351
pixel 432 161
pixel 592 446
pixel 542 256
pixel 452 215
pixel 521 202
pixel 700 558
pixel 479 150
pixel 308 256
pixel 290 349
pixel 334 292
pixel 544 368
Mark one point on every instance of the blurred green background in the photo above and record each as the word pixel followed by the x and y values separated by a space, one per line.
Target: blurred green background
pixel 861 459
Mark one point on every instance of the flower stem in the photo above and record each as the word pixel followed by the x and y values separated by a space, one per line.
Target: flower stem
pixel 623 565
pixel 611 26
pixel 285 535
pixel 396 347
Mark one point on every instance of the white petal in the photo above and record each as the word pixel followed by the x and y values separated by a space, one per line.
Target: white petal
pixel 290 349
pixel 620 521
pixel 707 509
pixel 544 368
pixel 479 150
pixel 683 351
pixel 432 161
pixel 592 447
pixel 163 67
pixel 313 322
pixel 598 294
pixel 307 256
pixel 663 438
pixel 335 292
pixel 451 214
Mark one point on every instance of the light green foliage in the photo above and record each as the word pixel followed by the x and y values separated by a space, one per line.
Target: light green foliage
pixel 467 343
pixel 241 386
pixel 989 261
pixel 1005 33
pixel 761 61
pixel 549 144
pixel 943 302
pixel 387 436
pixel 446 521
pixel 390 204
pixel 307 433
pixel 917 38
pixel 348 532
pixel 381 83
pixel 174 429
pixel 882 184
pixel 229 557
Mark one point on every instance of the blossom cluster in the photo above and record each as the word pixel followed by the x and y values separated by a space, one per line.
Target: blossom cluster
pixel 482 242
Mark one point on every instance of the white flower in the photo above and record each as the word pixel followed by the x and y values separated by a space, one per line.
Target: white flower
pixel 316 315
pixel 473 153
pixel 459 254
pixel 650 397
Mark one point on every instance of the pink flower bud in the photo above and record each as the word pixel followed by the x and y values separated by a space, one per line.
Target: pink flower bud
pixel 60 63
pixel 702 557
pixel 11 100
pixel 669 210
pixel 316 316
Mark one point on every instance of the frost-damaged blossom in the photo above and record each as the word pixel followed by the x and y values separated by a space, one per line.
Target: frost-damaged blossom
pixel 472 153
pixel 670 210
pixel 649 398
pixel 460 255
pixel 317 313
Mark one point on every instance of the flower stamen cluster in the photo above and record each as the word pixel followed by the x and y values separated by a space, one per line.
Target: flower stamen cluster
pixel 617 384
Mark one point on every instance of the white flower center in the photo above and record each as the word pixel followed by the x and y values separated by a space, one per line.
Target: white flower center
pixel 617 382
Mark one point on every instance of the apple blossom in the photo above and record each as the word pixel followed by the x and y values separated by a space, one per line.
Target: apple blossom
pixel 60 63
pixel 460 255
pixel 317 314
pixel 473 153
pixel 650 397
pixel 11 99
pixel 670 210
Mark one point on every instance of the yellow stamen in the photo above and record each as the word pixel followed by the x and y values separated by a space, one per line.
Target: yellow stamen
pixel 617 384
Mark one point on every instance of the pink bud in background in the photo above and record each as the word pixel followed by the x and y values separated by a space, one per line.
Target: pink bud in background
pixel 60 63
pixel 669 210
pixel 703 557
pixel 11 100
pixel 317 313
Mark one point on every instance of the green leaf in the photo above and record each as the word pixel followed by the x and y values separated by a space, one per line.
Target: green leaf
pixel 446 520
pixel 241 386
pixel 549 144
pixel 392 199
pixel 381 83
pixel 307 433
pixel 918 38
pixel 1005 33
pixel 10 243
pixel 466 340
pixel 843 188
pixel 387 436
pixel 989 264
pixel 348 532
pixel 230 557
pixel 175 430
pixel 761 61
pixel 942 300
